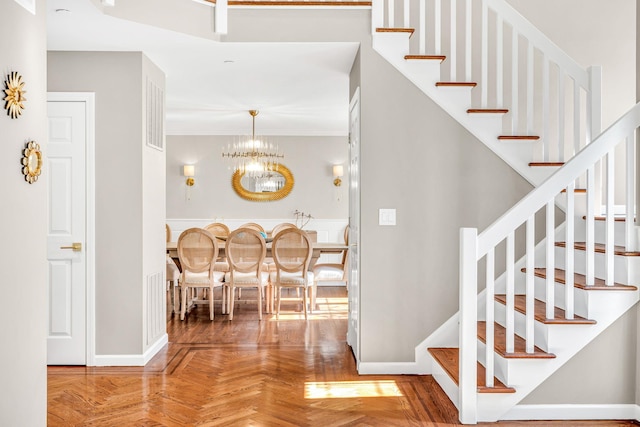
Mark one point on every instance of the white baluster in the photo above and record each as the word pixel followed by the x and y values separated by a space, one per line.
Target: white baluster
pixel 499 62
pixel 467 41
pixel 468 356
pixel 546 132
pixel 529 292
pixel 569 252
pixel 550 259
pixel 391 10
pixel 560 115
pixel 453 49
pixel 377 15
pixel 510 318
pixel 490 317
pixel 590 225
pixel 530 79
pixel 484 77
pixel 514 80
pixel 221 20
pixel 406 23
pixel 609 245
pixel 423 28
pixel 576 117
pixel 629 226
pixel 437 27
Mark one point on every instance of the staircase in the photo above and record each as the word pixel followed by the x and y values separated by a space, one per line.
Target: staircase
pixel 537 110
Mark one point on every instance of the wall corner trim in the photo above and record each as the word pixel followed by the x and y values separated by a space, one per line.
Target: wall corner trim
pixel 132 359
pixel 574 412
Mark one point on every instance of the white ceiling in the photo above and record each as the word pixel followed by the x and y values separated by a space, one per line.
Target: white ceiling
pixel 299 88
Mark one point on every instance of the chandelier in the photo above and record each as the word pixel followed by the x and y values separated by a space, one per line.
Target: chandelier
pixel 253 157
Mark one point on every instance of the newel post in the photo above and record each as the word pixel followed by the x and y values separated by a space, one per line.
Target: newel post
pixel 468 336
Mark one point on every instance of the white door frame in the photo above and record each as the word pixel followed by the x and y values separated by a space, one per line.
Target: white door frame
pixel 90 233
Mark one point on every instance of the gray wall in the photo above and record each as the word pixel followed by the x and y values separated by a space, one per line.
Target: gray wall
pixel 23 371
pixel 309 158
pixel 441 179
pixel 116 78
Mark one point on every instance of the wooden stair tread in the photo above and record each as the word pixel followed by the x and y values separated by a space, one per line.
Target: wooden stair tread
pixel 448 359
pixel 546 164
pixel 580 281
pixel 540 313
pixel 500 344
pixel 456 84
pixel 487 111
pixel 604 218
pixel 396 30
pixel 426 57
pixel 600 248
pixel 519 137
pixel 576 190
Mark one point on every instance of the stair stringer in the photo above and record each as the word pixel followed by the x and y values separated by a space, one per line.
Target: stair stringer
pixel 525 375
pixel 455 101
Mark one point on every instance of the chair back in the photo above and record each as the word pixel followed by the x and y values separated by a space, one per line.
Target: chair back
pixel 291 251
pixel 283 226
pixel 245 250
pixel 346 242
pixel 253 226
pixel 197 250
pixel 168 231
pixel 218 229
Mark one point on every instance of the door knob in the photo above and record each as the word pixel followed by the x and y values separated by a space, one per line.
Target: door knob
pixel 76 247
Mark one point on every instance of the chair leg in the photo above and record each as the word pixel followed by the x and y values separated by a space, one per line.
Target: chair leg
pixel 230 302
pixel 304 300
pixel 211 303
pixel 183 309
pixel 279 297
pixel 176 297
pixel 260 291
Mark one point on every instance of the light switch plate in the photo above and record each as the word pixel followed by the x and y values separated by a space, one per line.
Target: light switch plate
pixel 386 217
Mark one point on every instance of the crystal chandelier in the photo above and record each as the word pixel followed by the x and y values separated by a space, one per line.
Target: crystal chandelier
pixel 253 157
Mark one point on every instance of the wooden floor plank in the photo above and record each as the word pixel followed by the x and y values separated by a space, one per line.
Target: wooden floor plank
pixel 249 372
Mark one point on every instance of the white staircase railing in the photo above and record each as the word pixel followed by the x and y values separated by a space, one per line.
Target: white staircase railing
pixel 474 248
pixel 515 65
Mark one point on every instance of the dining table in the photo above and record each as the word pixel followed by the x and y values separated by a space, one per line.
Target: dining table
pixel 318 249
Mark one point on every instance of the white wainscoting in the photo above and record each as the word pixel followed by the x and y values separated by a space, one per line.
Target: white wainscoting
pixel 329 230
pixel 155 307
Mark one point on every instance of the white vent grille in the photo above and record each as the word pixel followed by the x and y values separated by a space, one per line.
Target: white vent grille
pixel 155 306
pixel 155 116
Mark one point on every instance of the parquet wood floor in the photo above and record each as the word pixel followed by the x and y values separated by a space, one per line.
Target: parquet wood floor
pixel 250 373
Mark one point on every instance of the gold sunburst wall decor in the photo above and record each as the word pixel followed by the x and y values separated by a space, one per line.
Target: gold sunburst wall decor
pixel 14 99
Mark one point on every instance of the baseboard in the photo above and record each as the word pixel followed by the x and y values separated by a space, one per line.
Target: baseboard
pixel 388 368
pixel 573 412
pixel 132 359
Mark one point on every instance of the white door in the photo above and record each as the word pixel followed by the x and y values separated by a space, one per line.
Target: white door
pixel 353 330
pixel 66 244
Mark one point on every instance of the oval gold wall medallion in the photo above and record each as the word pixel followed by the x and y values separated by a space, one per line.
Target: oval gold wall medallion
pixel 32 162
pixel 273 188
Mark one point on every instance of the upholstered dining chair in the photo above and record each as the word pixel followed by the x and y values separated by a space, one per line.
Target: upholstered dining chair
pixel 253 226
pixel 291 250
pixel 197 252
pixel 246 250
pixel 218 229
pixel 282 226
pixel 330 272
pixel 172 277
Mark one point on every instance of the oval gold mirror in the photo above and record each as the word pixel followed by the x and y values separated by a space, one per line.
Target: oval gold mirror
pixel 273 185
pixel 32 162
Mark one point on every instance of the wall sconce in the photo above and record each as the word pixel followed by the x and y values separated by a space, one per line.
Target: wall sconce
pixel 189 171
pixel 338 172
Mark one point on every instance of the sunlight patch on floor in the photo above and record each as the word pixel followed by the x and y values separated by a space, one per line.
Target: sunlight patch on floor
pixel 350 389
pixel 326 308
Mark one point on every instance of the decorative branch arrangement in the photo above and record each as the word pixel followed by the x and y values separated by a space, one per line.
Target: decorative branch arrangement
pixel 302 218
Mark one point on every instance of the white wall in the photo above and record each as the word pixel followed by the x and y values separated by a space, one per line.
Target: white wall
pixel 23 214
pixel 310 159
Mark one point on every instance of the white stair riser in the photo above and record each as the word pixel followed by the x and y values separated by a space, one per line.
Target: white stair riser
pixel 513 372
pixel 444 380
pixel 620 264
pixel 618 232
pixel 580 301
pixel 541 331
